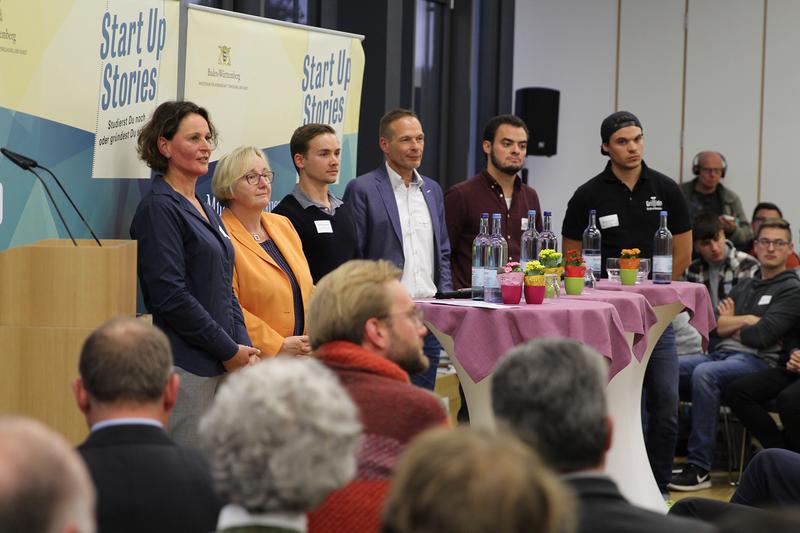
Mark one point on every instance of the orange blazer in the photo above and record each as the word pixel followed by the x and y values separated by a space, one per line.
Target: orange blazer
pixel 262 287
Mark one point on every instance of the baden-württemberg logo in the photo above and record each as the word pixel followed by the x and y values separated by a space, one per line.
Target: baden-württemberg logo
pixel 224 55
pixel 653 204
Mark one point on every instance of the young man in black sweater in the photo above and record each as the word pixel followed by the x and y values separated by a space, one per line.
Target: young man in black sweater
pixel 324 223
pixel 757 327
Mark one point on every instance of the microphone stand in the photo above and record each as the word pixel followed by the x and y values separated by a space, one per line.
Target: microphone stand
pixel 71 203
pixel 52 201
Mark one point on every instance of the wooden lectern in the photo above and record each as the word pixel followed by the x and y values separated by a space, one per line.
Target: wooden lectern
pixel 52 296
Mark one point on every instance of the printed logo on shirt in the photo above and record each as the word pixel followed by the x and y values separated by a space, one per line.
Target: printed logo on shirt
pixel 654 204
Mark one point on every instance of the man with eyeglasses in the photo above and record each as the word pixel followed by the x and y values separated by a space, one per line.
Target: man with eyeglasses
pixel 706 193
pixel 324 224
pixel 765 211
pixel 756 326
pixel 364 326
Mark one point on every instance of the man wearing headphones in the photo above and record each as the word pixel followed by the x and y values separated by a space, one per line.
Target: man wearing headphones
pixel 706 193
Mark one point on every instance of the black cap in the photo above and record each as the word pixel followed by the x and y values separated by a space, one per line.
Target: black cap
pixel 616 121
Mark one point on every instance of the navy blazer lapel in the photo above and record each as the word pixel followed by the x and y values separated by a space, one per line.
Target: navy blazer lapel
pixel 384 186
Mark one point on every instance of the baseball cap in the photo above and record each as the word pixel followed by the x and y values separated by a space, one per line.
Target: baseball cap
pixel 616 121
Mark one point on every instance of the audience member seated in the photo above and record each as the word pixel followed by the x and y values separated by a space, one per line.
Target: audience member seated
pixel 756 327
pixel 271 278
pixel 749 396
pixel 552 393
pixel 44 486
pixel 719 266
pixel 771 480
pixel 706 193
pixel 364 326
pixel 280 436
pixel 765 211
pixel 325 225
pixel 144 481
pixel 476 481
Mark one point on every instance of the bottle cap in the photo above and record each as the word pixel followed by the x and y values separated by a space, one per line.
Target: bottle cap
pixel 495 215
pixel 663 213
pixel 547 213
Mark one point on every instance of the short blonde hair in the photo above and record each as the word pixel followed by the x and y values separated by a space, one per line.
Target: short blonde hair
pixel 230 168
pixel 496 483
pixel 347 297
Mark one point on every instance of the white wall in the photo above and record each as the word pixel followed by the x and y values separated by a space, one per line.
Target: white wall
pixel 704 95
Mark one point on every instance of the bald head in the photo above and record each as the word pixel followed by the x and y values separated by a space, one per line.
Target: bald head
pixel 126 360
pixel 44 485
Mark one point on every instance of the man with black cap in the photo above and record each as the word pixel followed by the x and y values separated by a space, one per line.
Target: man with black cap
pixel 628 197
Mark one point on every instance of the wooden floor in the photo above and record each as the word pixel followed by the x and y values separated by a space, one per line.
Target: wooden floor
pixel 720 489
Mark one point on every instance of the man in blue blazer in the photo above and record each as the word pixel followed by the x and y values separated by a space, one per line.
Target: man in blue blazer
pixel 399 216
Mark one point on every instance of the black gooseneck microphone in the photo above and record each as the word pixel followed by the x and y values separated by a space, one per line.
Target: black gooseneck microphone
pixel 26 163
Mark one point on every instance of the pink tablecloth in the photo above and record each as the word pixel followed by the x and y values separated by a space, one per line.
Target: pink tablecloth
pixel 481 336
pixel 635 312
pixel 693 296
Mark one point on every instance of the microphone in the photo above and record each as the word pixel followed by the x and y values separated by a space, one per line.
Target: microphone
pixel 26 163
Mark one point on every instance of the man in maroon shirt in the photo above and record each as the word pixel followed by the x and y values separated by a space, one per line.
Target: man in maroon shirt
pixel 498 189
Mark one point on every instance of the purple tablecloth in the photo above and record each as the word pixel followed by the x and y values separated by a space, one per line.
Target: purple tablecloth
pixel 481 336
pixel 693 296
pixel 635 312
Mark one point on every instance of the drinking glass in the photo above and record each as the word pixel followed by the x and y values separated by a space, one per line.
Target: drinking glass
pixel 644 270
pixel 612 269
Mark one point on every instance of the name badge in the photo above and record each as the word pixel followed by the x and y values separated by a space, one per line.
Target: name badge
pixel 609 221
pixel 765 300
pixel 524 224
pixel 323 226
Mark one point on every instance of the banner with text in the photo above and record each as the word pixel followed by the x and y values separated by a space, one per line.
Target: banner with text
pixel 260 80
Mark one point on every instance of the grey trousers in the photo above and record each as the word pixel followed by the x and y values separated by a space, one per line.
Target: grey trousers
pixel 195 395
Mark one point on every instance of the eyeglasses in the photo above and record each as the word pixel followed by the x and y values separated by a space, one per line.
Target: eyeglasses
pixel 777 243
pixel 254 177
pixel 415 315
pixel 711 170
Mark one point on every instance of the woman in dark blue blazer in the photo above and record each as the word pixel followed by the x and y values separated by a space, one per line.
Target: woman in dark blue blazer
pixel 185 263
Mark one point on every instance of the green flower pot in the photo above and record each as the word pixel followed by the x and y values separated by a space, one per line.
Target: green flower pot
pixel 573 286
pixel 628 275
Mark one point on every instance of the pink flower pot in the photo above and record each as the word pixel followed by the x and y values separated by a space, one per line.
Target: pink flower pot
pixel 534 294
pixel 511 294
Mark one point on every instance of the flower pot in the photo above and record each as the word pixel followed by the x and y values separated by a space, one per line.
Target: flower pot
pixel 534 294
pixel 628 275
pixel 571 271
pixel 631 263
pixel 535 280
pixel 510 278
pixel 511 293
pixel 573 285
pixel 554 270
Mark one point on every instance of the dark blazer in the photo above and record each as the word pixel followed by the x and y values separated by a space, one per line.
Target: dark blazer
pixel 378 233
pixel 146 482
pixel 185 268
pixel 603 509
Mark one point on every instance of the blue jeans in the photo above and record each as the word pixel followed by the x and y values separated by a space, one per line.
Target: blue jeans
pixel 708 376
pixel 660 407
pixel 431 348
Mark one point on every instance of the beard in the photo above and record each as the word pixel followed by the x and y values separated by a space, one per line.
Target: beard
pixel 505 169
pixel 408 355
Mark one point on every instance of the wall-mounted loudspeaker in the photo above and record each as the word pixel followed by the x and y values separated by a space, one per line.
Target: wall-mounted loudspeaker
pixel 538 107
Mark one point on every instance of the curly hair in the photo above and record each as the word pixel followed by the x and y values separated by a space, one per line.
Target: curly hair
pixel 281 435
pixel 164 123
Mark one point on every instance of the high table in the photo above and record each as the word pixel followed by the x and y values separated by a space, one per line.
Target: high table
pixel 622 323
pixel 627 460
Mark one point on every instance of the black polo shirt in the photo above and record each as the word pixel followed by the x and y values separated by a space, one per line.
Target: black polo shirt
pixel 627 219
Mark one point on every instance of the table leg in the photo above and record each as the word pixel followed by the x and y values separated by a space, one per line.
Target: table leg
pixel 626 461
pixel 478 395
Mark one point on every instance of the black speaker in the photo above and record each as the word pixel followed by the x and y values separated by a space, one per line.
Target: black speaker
pixel 538 107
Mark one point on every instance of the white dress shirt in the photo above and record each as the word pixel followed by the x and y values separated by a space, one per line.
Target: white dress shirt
pixel 417 232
